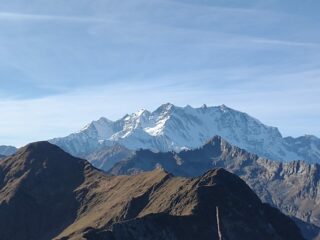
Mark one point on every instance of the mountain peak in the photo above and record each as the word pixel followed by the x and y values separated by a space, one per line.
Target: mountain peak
pixel 218 141
pixel 43 156
pixel 172 128
pixel 217 172
pixel 223 177
pixel 40 147
pixel 215 139
pixel 104 120
pixel 204 106
pixel 38 186
pixel 169 105
pixel 225 108
pixel 142 112
pixel 165 107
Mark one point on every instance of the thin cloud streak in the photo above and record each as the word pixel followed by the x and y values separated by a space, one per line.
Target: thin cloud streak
pixel 282 42
pixel 211 7
pixel 12 16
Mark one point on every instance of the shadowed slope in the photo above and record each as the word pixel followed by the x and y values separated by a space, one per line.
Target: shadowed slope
pixel 181 208
pixel 47 194
pixel 37 197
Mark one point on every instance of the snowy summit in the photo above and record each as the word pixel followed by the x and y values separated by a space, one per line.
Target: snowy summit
pixel 172 128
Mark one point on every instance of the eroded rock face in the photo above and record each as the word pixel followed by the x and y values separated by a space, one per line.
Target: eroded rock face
pixel 293 187
pixel 47 194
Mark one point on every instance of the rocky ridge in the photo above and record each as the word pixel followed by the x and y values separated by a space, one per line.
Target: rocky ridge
pixel 293 187
pixel 46 193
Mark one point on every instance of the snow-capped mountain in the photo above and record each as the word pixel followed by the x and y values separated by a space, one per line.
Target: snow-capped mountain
pixel 172 128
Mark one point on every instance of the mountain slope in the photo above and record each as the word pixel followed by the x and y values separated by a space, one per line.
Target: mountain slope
pixel 36 191
pixel 293 187
pixel 106 157
pixel 7 150
pixel 177 128
pixel 307 146
pixel 46 193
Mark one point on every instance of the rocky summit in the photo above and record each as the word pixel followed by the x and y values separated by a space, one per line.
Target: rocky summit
pixel 46 193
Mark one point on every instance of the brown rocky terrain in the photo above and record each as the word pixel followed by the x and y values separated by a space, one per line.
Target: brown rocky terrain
pixel 46 193
pixel 293 187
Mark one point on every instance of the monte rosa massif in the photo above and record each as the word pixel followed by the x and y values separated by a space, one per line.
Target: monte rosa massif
pixel 172 128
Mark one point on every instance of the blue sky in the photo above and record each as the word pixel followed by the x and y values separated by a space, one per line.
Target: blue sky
pixel 65 63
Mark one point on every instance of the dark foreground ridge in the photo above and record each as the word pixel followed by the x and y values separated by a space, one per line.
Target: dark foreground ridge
pixel 46 193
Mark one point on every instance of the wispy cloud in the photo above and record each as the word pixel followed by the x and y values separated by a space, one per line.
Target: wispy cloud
pixel 212 6
pixel 12 16
pixel 283 42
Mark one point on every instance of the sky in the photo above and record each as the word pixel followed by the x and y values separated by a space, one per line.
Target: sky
pixel 66 63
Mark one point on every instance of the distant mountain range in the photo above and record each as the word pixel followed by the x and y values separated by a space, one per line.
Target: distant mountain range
pixel 7 150
pixel 293 187
pixel 172 128
pixel 46 193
